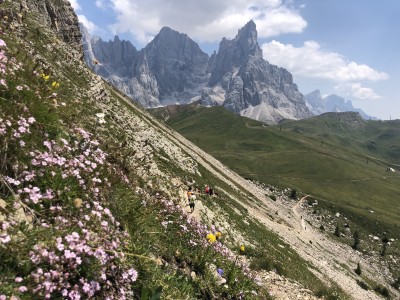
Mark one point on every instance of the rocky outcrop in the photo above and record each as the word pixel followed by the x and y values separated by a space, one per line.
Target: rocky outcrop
pixel 60 17
pixel 331 103
pixel 265 92
pixel 117 57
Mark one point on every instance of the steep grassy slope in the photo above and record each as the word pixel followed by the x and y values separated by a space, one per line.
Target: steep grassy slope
pixel 92 192
pixel 337 158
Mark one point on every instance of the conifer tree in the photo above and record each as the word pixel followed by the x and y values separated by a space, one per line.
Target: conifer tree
pixel 337 231
pixel 358 270
pixel 356 237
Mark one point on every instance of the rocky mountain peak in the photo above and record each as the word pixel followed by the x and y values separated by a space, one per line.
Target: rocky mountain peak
pixel 332 103
pixel 247 39
pixel 315 94
pixel 176 61
pixel 233 53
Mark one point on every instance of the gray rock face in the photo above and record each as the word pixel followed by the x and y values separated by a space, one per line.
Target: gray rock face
pixel 233 53
pixel 315 102
pixel 115 57
pixel 255 88
pixel 176 61
pixel 90 59
pixel 171 66
pixel 173 69
pixel 331 103
pixel 61 18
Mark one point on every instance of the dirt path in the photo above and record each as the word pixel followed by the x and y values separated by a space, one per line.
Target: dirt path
pixel 297 214
pixel 333 260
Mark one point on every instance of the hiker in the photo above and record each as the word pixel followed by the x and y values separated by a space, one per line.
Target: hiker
pixel 207 189
pixel 211 191
pixel 192 201
pixel 189 193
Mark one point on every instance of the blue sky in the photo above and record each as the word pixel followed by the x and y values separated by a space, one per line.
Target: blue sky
pixel 346 47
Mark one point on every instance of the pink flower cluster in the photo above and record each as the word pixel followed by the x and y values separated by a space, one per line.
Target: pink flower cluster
pixel 85 258
pixel 7 66
pixel 7 127
pixel 63 160
pixel 3 62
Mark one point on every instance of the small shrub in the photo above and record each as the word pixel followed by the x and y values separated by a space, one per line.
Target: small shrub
pixel 337 231
pixel 357 239
pixel 384 247
pixel 385 239
pixel 273 197
pixel 363 285
pixel 382 290
pixel 396 284
pixel 327 293
pixel 280 269
pixel 322 228
pixel 251 252
pixel 293 194
pixel 262 263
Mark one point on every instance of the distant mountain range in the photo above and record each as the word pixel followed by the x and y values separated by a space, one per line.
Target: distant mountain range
pixel 172 69
pixel 331 103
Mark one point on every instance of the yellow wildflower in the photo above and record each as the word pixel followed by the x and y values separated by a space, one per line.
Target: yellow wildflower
pixel 158 262
pixel 242 248
pixel 78 202
pixel 211 238
pixel 45 77
pixel 218 234
pixel 55 84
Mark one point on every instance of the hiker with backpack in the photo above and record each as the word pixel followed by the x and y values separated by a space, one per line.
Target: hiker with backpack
pixel 189 193
pixel 192 202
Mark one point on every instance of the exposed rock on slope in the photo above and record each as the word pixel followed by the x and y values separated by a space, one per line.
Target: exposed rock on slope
pixel 60 17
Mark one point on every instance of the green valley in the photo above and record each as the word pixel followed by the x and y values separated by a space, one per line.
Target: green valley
pixel 337 158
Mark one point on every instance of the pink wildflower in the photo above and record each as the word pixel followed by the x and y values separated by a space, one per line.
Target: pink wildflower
pixel 5 238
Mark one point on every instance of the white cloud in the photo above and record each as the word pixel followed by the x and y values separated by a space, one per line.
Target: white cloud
pixel 100 4
pixel 313 62
pixel 75 4
pixel 356 91
pixel 90 26
pixel 206 20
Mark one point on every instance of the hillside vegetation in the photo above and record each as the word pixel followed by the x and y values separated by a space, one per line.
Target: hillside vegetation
pixel 340 159
pixel 336 158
